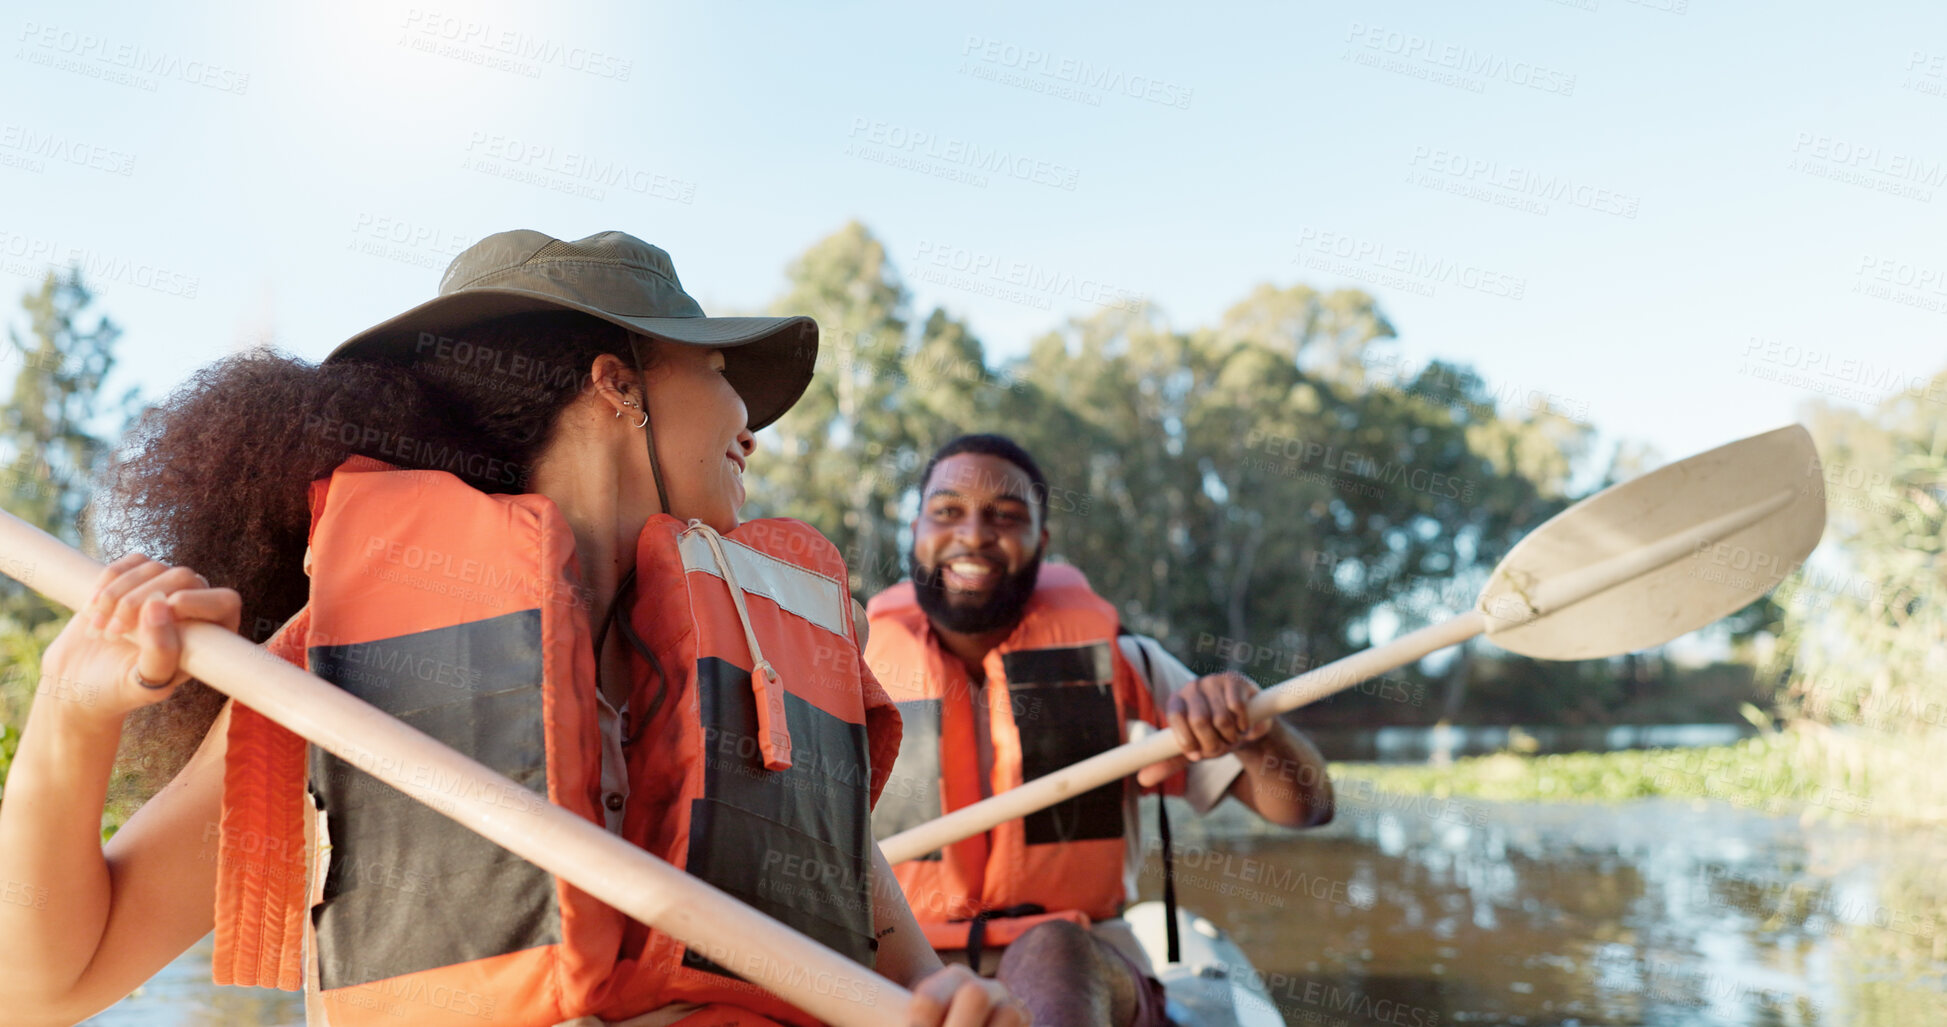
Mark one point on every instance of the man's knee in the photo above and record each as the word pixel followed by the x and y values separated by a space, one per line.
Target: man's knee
pixel 1055 940
pixel 1060 970
pixel 1061 947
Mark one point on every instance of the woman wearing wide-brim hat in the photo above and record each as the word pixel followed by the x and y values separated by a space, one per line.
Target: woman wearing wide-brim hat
pixel 510 517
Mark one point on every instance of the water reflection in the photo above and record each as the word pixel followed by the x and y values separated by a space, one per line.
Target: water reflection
pixel 1427 912
pixel 1419 744
pixel 182 996
pixel 1652 912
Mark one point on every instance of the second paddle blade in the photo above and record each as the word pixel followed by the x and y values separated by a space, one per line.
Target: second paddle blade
pixel 1701 574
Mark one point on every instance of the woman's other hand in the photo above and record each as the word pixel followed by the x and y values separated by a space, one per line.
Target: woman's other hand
pixel 96 655
pixel 954 997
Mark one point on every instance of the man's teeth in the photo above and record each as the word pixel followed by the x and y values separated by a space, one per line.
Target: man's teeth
pixel 969 568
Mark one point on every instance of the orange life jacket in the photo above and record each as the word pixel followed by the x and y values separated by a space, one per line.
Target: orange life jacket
pixel 1057 691
pixel 457 612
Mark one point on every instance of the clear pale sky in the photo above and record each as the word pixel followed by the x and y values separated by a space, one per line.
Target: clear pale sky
pixel 1603 201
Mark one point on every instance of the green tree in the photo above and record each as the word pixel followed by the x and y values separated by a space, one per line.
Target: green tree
pixel 1864 643
pixel 1257 492
pixel 53 440
pixel 827 443
pixel 885 394
pixel 1251 482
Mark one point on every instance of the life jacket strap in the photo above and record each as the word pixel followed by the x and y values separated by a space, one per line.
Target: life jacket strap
pixel 773 730
pixel 997 927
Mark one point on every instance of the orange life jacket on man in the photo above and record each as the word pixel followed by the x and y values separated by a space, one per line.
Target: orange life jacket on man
pixel 1058 690
pixel 457 611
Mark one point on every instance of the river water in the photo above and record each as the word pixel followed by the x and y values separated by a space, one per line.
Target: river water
pixel 1423 912
pixel 1417 912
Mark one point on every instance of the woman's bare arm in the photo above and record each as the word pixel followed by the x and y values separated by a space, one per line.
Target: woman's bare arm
pixel 82 925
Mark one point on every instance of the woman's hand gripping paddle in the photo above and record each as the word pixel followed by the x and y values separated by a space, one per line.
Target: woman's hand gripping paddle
pixel 1632 566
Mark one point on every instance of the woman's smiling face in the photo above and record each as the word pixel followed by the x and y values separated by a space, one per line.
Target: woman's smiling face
pixel 702 433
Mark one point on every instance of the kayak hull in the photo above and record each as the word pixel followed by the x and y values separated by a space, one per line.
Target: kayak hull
pixel 1215 984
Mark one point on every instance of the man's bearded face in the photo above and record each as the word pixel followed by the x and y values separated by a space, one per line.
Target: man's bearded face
pixel 977 544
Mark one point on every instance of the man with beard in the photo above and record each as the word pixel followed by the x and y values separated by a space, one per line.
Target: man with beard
pixel 1005 670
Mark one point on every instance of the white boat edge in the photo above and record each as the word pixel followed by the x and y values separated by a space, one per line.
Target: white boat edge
pixel 1215 985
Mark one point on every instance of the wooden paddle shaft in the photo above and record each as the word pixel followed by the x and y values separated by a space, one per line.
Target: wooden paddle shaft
pixel 731 934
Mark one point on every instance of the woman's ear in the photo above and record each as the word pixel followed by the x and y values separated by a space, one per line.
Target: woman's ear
pixel 614 382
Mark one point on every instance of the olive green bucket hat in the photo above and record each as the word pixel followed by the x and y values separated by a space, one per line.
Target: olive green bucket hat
pixel 618 278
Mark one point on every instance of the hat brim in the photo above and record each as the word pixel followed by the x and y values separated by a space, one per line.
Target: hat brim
pixel 768 360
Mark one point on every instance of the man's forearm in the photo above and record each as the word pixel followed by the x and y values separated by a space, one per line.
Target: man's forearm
pixel 1284 778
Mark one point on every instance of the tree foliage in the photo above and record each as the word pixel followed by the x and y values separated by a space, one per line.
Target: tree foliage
pixel 1864 649
pixel 54 437
pixel 1247 491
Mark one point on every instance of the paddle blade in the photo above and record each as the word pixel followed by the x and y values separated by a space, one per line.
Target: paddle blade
pixel 1646 561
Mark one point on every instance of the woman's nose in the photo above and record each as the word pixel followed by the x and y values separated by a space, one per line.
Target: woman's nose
pixel 747 442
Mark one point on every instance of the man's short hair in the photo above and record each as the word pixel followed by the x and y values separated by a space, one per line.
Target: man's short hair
pixel 993 445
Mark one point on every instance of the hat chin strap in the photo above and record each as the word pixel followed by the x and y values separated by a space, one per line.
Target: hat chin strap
pixel 649 435
pixel 626 587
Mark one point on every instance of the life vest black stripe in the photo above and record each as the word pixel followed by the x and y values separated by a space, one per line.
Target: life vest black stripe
pixel 1075 718
pixel 756 828
pixel 1089 663
pixel 912 793
pixel 408 889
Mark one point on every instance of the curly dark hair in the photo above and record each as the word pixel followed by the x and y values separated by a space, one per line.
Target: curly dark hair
pixel 217 476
